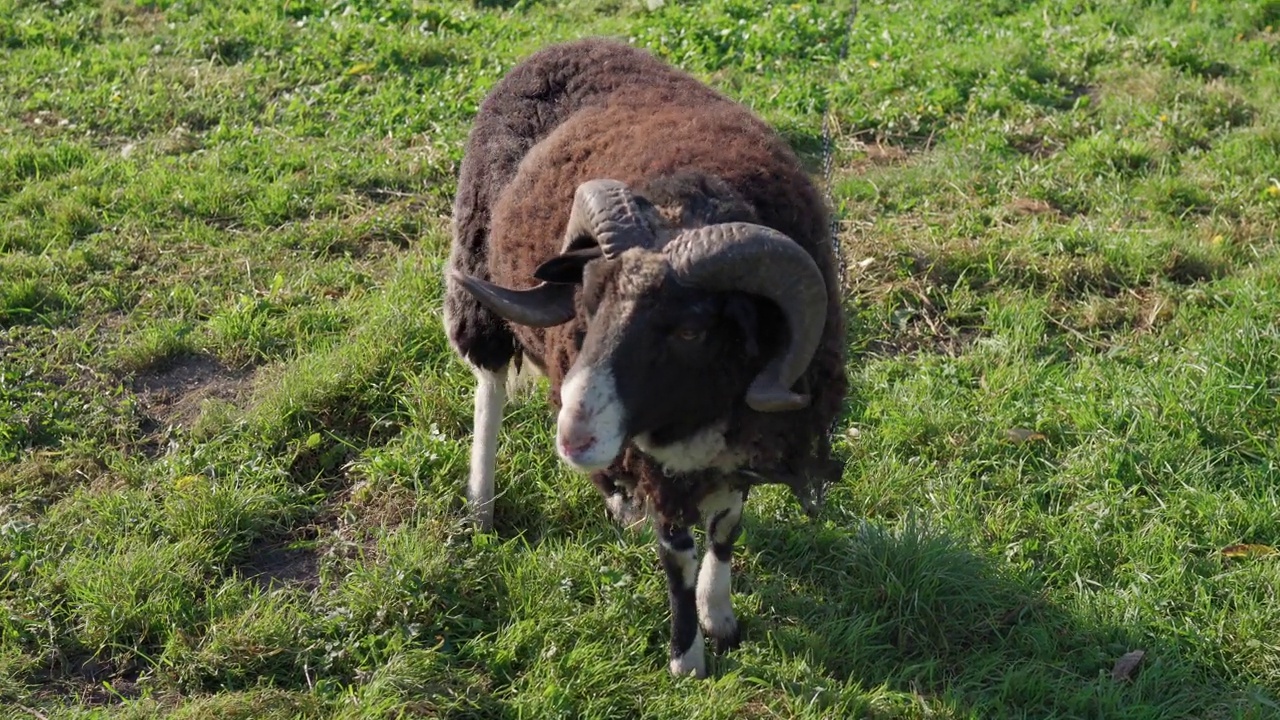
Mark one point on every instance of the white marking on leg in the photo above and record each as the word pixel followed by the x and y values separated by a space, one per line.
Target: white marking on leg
pixel 693 662
pixel 589 432
pixel 723 512
pixel 490 401
pixel 687 559
pixel 715 602
pixel 684 617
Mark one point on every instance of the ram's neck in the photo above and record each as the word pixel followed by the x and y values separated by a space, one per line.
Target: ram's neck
pixel 706 449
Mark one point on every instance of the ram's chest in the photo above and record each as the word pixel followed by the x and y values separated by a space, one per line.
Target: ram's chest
pixel 705 450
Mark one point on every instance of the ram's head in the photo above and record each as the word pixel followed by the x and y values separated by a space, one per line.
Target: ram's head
pixel 672 339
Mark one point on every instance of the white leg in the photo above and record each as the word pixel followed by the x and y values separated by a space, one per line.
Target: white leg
pixel 723 513
pixel 491 400
pixel 679 556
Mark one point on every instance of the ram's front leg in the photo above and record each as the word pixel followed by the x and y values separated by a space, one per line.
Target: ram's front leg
pixel 490 400
pixel 723 513
pixel 679 555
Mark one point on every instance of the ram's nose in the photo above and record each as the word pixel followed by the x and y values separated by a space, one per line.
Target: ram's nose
pixel 579 446
pixel 589 426
pixel 575 443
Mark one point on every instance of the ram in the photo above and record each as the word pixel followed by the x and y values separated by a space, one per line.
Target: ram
pixel 659 253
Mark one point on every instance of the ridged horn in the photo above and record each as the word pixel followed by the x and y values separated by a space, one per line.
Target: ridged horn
pixel 544 305
pixel 761 261
pixel 608 211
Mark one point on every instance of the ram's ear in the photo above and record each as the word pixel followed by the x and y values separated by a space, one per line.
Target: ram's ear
pixel 566 268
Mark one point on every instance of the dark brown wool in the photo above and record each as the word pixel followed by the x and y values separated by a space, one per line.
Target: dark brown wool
pixel 601 109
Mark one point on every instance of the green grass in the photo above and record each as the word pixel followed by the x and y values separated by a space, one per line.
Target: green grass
pixel 233 438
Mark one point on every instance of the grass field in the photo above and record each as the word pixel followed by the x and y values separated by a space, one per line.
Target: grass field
pixel 233 440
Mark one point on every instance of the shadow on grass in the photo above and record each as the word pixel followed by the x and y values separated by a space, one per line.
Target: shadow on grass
pixel 917 612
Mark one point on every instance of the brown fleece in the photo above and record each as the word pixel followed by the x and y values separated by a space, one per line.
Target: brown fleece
pixel 601 109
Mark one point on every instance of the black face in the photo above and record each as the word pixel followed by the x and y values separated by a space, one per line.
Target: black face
pixel 678 355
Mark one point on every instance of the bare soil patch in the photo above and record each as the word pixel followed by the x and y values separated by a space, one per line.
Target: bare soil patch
pixel 276 565
pixel 173 395
pixel 90 681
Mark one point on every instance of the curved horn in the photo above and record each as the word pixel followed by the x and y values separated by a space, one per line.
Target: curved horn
pixel 762 261
pixel 544 305
pixel 607 211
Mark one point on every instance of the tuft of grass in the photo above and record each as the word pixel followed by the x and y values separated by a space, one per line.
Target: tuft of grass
pixel 31 301
pixel 155 346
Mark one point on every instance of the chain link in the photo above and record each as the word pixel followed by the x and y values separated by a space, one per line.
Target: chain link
pixel 828 154
pixel 812 495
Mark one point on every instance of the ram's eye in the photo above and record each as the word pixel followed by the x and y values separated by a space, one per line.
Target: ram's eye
pixel 690 334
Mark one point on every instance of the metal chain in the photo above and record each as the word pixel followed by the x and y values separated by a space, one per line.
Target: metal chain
pixel 827 151
pixel 812 492
pixel 810 485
